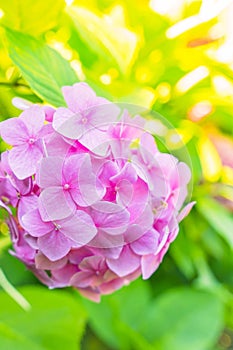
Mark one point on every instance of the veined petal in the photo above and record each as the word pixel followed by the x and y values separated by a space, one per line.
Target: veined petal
pixel 72 127
pixel 107 171
pixel 26 203
pixel 127 262
pixel 102 115
pixel 185 211
pixel 106 241
pixel 127 173
pixel 149 264
pixel 82 279
pixel 55 204
pixel 42 262
pixel 97 141
pixel 90 187
pixel 34 225
pixel 80 228
pixel 79 97
pixel 50 172
pixel 147 244
pixel 33 117
pixel 110 217
pixel 54 245
pixel 14 131
pixel 61 116
pixel 23 160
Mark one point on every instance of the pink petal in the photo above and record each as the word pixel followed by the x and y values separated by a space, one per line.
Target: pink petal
pixel 107 171
pixel 55 204
pixel 111 253
pixel 26 204
pixel 24 186
pixel 147 244
pixel 127 262
pixel 49 112
pixel 106 241
pixel 91 294
pixel 127 173
pixel 54 245
pixel 80 228
pixel 92 263
pixel 133 233
pixel 90 187
pixel 96 141
pixel 139 200
pixel 79 97
pixel 34 225
pixel 72 128
pixel 125 193
pixel 82 279
pixel 33 117
pixel 21 103
pixel 103 114
pixel 64 274
pixel 42 262
pixel 50 172
pixel 184 173
pixel 110 217
pixel 110 287
pixel 71 168
pixel 61 116
pixel 14 131
pixel 149 264
pixel 185 211
pixel 23 160
pixel 145 219
pixel 56 145
pixel 148 147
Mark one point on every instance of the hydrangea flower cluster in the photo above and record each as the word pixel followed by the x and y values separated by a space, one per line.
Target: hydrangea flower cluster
pixel 97 204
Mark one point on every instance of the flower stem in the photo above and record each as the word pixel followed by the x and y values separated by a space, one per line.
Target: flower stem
pixel 13 293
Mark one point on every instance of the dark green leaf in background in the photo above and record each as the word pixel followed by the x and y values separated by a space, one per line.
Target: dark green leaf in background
pixel 179 319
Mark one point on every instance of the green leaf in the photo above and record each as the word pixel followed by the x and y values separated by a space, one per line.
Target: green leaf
pixel 183 319
pixel 42 67
pixel 11 339
pixel 116 316
pixel 32 17
pixel 106 35
pixel 218 217
pixel 180 319
pixel 55 321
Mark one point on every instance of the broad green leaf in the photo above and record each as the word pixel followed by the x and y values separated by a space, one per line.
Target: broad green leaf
pixel 32 17
pixel 11 339
pixel 179 319
pixel 116 318
pixel 183 319
pixel 108 36
pixel 218 217
pixel 55 321
pixel 42 67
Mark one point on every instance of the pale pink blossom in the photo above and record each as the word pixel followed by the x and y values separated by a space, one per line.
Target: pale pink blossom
pixel 97 204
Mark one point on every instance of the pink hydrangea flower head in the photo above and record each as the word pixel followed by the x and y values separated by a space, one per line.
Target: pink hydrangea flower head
pixel 97 204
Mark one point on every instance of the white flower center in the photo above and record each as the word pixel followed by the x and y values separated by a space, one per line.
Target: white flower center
pixel 66 186
pixel 31 141
pixel 84 120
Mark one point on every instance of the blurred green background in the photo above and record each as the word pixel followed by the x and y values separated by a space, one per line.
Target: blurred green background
pixel 174 57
